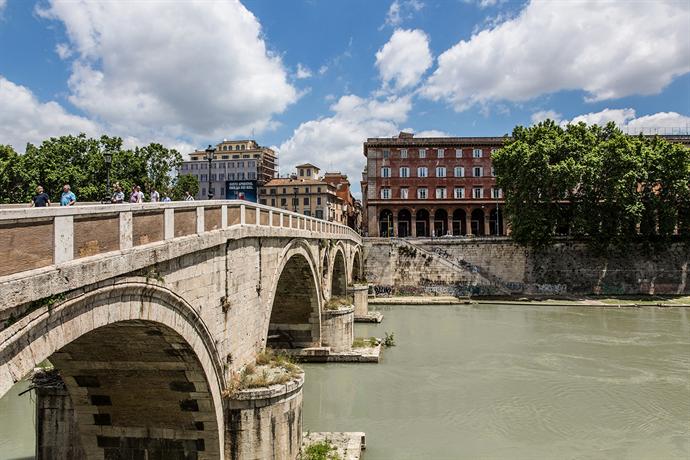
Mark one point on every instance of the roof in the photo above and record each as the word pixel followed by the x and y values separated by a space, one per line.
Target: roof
pixel 307 165
pixel 294 182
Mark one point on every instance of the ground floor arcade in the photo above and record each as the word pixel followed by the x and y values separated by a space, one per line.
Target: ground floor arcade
pixel 457 220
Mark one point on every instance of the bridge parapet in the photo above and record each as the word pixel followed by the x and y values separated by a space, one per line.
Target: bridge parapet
pixel 41 237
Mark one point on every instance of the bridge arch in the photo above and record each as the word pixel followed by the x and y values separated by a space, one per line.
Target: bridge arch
pixel 139 364
pixel 295 303
pixel 357 272
pixel 339 273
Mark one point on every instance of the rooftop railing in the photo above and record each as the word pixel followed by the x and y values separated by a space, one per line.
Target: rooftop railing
pixel 32 238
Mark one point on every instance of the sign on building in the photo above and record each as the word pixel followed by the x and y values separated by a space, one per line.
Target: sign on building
pixel 241 190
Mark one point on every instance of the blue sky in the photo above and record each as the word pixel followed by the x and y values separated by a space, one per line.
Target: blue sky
pixel 314 78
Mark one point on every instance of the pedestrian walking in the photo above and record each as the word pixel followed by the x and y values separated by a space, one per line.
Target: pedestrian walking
pixel 118 196
pixel 67 198
pixel 41 199
pixel 166 198
pixel 137 195
pixel 155 196
pixel 188 196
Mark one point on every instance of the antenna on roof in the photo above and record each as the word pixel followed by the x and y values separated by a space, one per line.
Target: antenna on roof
pixel 252 133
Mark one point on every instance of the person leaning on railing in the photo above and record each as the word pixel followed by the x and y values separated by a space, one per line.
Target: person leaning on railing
pixel 41 199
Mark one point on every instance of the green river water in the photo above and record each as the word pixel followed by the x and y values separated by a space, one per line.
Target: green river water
pixel 495 382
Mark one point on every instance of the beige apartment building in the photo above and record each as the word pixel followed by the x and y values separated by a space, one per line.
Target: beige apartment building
pixel 306 193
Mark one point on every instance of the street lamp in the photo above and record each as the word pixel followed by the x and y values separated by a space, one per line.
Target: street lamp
pixel 108 159
pixel 209 156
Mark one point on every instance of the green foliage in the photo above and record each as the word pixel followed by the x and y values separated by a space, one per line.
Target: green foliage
pixel 593 182
pixel 79 161
pixel 389 340
pixel 185 183
pixel 323 450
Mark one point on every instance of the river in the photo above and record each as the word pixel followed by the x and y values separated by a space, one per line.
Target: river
pixel 495 382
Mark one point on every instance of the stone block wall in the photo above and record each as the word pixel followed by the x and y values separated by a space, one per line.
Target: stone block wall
pixel 337 328
pixel 499 267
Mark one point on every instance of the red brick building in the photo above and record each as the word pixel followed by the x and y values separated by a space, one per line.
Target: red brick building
pixel 432 186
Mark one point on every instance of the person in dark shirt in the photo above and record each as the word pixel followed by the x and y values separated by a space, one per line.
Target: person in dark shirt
pixel 41 199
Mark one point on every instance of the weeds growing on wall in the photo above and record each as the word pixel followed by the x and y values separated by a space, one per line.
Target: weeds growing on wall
pixel 323 450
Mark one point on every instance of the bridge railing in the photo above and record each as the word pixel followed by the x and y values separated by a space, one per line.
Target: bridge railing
pixel 32 238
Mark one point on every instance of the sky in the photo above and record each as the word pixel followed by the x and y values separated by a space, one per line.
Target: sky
pixel 314 78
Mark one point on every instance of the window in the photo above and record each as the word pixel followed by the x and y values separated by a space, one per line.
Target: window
pixel 231 176
pixel 306 189
pixel 385 193
pixel 441 171
pixel 477 192
pixel 440 153
pixel 319 213
pixel 204 177
pixel 225 157
pixel 243 147
pixel 478 171
pixel 318 201
pixel 283 201
pixel 307 212
pixel 284 190
pixel 403 153
pixel 273 202
pixel 421 193
pixel 251 175
pixel 386 153
pixel 306 201
pixel 221 176
pixel 493 172
pixel 318 189
pixel 203 191
pixel 459 192
pixel 496 193
pixel 213 177
pixel 240 176
pixel 476 153
pixel 404 193
pixel 263 201
pixel 458 153
pixel 422 172
pixel 422 153
pixel 301 172
pixel 385 171
pixel 440 193
pixel 262 191
pixel 404 171
pixel 272 191
pixel 459 171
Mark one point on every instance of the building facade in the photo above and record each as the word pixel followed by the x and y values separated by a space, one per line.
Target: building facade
pixel 420 187
pixel 351 208
pixel 237 165
pixel 306 193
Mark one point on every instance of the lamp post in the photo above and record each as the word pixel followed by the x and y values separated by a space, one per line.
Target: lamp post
pixel 108 159
pixel 209 156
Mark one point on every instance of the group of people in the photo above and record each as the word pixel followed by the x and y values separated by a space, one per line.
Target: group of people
pixel 68 198
pixel 137 196
pixel 41 199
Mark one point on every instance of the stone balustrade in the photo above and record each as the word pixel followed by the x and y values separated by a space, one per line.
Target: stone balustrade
pixel 32 238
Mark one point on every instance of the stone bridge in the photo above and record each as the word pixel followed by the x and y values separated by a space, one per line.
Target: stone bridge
pixel 149 310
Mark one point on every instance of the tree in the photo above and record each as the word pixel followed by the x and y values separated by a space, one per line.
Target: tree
pixel 79 161
pixel 596 182
pixel 185 183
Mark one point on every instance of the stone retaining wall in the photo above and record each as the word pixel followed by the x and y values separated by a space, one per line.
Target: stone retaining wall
pixel 498 266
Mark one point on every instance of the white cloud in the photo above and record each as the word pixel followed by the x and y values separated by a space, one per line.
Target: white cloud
pixel 335 142
pixel 404 58
pixel 626 119
pixel 191 69
pixel 323 69
pixel 607 49
pixel 24 118
pixel 3 3
pixel 302 72
pixel 544 114
pixel 63 51
pixel 400 11
pixel 431 133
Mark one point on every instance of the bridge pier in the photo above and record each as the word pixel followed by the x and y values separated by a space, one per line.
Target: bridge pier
pixel 360 293
pixel 265 423
pixel 338 329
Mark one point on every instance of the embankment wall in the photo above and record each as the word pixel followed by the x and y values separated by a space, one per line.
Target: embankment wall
pixel 498 266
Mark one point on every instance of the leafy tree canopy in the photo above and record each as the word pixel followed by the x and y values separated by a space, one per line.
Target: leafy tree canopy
pixel 594 182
